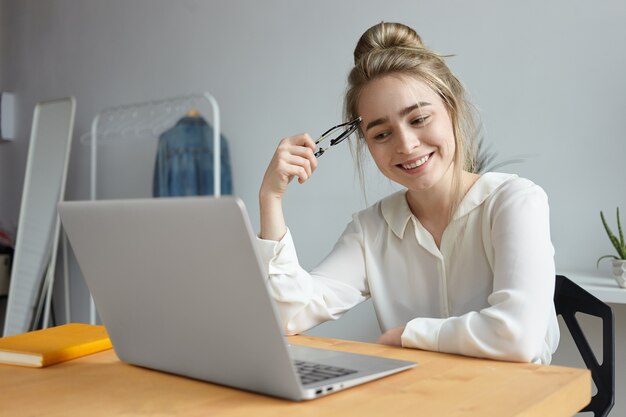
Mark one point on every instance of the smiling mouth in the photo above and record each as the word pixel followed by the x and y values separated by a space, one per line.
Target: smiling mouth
pixel 417 163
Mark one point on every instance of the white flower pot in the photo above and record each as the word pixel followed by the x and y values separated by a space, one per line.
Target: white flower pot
pixel 619 271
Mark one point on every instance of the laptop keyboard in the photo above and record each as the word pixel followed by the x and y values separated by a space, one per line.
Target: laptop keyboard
pixel 311 372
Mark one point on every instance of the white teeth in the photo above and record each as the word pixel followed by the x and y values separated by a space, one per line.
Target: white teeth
pixel 417 163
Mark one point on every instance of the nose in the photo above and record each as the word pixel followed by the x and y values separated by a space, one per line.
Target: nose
pixel 406 141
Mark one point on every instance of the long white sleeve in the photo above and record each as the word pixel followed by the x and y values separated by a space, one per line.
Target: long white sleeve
pixel 307 299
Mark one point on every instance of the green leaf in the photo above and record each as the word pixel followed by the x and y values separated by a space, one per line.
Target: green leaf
pixel 608 230
pixel 618 244
pixel 619 229
pixel 604 257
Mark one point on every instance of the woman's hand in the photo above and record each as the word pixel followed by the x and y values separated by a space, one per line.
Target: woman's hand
pixel 293 158
pixel 392 337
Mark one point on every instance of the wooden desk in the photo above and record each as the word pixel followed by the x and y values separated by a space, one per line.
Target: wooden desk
pixel 442 385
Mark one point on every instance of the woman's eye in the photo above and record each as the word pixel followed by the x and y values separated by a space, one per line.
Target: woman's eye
pixel 419 120
pixel 380 136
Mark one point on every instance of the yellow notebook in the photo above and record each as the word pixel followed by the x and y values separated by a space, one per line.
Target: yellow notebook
pixel 55 344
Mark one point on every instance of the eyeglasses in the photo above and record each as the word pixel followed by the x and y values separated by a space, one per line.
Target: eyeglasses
pixel 336 134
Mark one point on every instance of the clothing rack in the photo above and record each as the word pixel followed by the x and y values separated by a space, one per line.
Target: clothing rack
pixel 145 121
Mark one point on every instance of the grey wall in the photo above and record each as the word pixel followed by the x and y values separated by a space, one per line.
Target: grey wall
pixel 546 76
pixel 3 51
pixel 4 172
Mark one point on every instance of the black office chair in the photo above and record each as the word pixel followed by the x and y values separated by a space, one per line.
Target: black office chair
pixel 569 299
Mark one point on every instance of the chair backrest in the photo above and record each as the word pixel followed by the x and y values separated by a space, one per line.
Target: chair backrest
pixel 569 298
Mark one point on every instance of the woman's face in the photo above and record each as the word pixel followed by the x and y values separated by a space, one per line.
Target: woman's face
pixel 408 131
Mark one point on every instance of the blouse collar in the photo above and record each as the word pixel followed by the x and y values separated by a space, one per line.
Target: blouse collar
pixel 397 213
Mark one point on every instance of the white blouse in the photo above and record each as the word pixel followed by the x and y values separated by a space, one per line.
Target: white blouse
pixel 486 292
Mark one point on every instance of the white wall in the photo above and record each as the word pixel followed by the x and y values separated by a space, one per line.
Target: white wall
pixel 547 77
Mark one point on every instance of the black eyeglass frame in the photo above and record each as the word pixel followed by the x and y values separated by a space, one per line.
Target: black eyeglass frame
pixel 350 127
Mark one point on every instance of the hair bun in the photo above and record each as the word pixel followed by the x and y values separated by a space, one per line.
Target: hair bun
pixel 386 35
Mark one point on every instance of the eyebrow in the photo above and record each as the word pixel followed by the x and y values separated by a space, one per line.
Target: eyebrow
pixel 403 112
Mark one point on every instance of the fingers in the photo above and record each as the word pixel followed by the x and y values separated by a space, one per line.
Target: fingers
pixel 295 166
pixel 301 145
pixel 299 165
pixel 293 158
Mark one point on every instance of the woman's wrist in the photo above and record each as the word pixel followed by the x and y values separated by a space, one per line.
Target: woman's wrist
pixel 268 197
pixel 273 225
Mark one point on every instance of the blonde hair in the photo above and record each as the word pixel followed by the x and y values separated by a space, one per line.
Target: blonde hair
pixel 396 49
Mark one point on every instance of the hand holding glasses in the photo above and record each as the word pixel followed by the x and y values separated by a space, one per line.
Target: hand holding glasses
pixel 336 134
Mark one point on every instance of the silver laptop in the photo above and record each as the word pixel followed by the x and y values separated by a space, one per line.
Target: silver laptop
pixel 179 286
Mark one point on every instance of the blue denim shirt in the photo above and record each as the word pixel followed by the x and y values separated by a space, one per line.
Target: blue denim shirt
pixel 184 162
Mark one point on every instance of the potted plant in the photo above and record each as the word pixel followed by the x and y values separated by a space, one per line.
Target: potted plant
pixel 619 260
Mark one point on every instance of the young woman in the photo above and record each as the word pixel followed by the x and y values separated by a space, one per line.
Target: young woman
pixel 456 262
